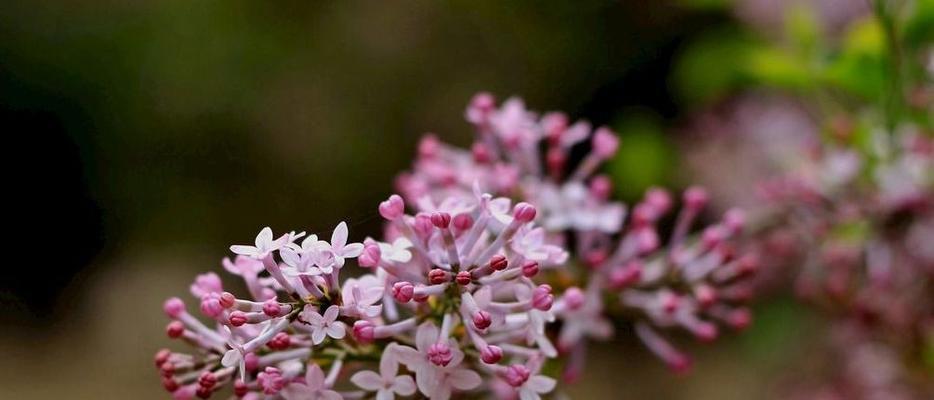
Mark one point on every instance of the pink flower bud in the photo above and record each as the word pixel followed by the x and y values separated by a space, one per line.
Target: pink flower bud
pixel 627 275
pixel 706 295
pixel 371 255
pixel 491 354
pixel 271 308
pixel 237 318
pixel 441 220
pixel 429 146
pixel 647 240
pixel 403 291
pixel 393 208
pixel 162 356
pixel 173 307
pixel 516 375
pixel 695 197
pixel 175 329
pixel 203 392
pixel 605 143
pixel 463 222
pixel 739 318
pixel 706 332
pixel 529 268
pixel 207 380
pixel 498 262
pixel 480 108
pixel 734 219
pixel 271 380
pixel 555 159
pixel 601 187
pixel 281 341
pixel 542 299
pixel 227 300
pixel 748 264
pixel 463 278
pixel 573 298
pixel 423 225
pixel 211 305
pixel 482 320
pixel 670 302
pixel 363 331
pixel 713 235
pixel 169 384
pixel 240 388
pixel 524 212
pixel 438 276
pixel 679 363
pixel 251 360
pixel 481 154
pixel 440 354
pixel 659 199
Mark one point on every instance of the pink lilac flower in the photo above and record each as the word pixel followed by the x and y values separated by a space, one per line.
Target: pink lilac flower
pixel 315 387
pixel 387 384
pixel 695 280
pixel 454 262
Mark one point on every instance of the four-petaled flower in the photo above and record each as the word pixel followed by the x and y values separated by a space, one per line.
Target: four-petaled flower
pixel 324 325
pixel 314 388
pixel 437 381
pixel 386 384
pixel 264 245
pixel 340 249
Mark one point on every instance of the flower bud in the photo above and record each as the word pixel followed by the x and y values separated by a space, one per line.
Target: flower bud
pixel 498 262
pixel 491 354
pixel 403 291
pixel 524 212
pixel 441 220
pixel 173 307
pixel 463 222
pixel 281 341
pixel 695 198
pixel 529 268
pixel 605 143
pixel 371 255
pixel 363 331
pixel 227 300
pixel 175 329
pixel 482 320
pixel 438 276
pixel 463 278
pixel 542 299
pixel 573 298
pixel 237 318
pixel 393 208
pixel 517 374
pixel 271 308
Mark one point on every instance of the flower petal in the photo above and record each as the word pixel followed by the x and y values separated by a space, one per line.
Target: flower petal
pixel 264 237
pixel 541 384
pixel 367 380
pixel 464 379
pixel 339 237
pixel 403 385
pixel 314 377
pixel 426 336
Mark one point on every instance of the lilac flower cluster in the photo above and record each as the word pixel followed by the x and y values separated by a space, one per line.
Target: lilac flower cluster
pixel 467 292
pixel 865 222
pixel 692 282
pixel 448 295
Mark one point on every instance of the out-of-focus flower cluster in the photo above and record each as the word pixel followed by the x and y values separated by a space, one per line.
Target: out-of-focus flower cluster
pixel 448 296
pixel 864 220
pixel 620 268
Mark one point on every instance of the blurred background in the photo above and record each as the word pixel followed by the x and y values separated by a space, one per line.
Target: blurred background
pixel 144 137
